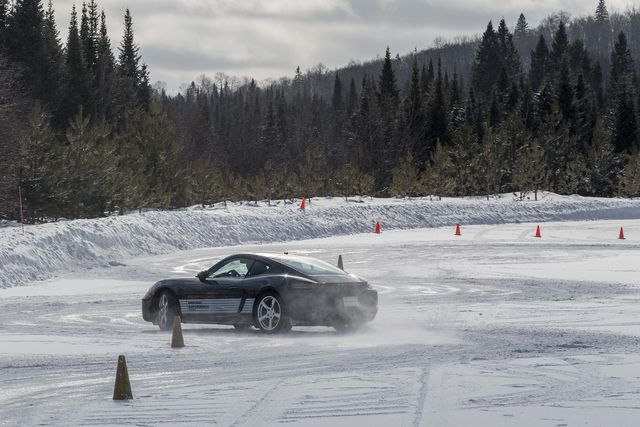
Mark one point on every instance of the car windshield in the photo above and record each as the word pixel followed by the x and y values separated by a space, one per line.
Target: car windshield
pixel 310 266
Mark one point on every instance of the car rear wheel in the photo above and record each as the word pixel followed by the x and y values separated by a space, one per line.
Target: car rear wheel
pixel 270 314
pixel 166 310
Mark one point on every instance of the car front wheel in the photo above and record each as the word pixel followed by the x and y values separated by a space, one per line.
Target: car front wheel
pixel 166 311
pixel 270 314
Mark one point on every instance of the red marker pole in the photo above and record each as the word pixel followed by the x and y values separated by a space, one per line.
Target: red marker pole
pixel 21 213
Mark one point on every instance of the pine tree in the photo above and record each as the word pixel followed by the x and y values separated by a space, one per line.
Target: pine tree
pixel 83 187
pixel 621 60
pixel 437 122
pixel 601 163
pixel 531 173
pixel 77 79
pixel 39 168
pixel 487 62
pixel 352 99
pixel 53 59
pixel 129 56
pixel 522 28
pixel 509 57
pixel 491 164
pixel 559 46
pixel 134 91
pixel 337 100
pixel 89 33
pixel 415 117
pixel 539 64
pixel 104 72
pixel 387 81
pixel 404 180
pixel 602 15
pixel 603 30
pixel 388 100
pixel 25 43
pixel 438 177
pixel 629 185
pixel 625 122
pixel 565 93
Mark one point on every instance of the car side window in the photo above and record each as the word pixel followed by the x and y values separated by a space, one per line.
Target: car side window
pixel 238 267
pixel 258 268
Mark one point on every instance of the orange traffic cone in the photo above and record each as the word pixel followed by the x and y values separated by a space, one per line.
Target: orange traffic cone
pixel 302 205
pixel 538 235
pixel 458 232
pixel 621 236
pixel 378 230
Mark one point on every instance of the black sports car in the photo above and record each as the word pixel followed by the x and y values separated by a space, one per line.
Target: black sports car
pixel 271 292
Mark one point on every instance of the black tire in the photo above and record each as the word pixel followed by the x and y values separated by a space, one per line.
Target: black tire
pixel 270 314
pixel 166 310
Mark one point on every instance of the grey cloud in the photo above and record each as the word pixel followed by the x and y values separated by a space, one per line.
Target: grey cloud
pixel 181 39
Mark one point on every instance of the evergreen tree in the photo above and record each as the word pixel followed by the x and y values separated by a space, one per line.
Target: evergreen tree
pixel 630 181
pixel 603 31
pixel 104 72
pixel 437 122
pixel 565 93
pixel 39 168
pixel 509 57
pixel 387 81
pixel 487 60
pixel 531 172
pixel 133 83
pixel 405 180
pixel 438 177
pixel 625 122
pixel 521 29
pixel 337 100
pixel 77 80
pixel 601 163
pixel 559 46
pixel 53 59
pixel 129 56
pixel 539 64
pixel 415 117
pixel 25 43
pixel 388 100
pixel 621 60
pixel 602 15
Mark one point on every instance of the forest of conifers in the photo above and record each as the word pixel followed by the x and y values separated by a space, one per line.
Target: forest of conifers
pixel 83 133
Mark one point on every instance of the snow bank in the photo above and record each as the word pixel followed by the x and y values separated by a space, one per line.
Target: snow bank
pixel 44 251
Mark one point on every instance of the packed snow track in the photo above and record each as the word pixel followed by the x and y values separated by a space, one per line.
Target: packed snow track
pixel 494 328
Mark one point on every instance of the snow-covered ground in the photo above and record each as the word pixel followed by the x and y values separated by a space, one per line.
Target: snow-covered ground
pixel 44 251
pixel 492 328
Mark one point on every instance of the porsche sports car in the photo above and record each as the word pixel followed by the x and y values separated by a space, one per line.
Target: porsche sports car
pixel 269 291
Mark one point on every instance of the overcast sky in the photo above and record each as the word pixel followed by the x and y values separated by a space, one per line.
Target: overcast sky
pixel 182 39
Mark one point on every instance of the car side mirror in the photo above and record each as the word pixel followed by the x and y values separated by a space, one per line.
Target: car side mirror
pixel 202 275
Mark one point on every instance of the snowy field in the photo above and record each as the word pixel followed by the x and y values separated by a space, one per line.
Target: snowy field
pixel 493 328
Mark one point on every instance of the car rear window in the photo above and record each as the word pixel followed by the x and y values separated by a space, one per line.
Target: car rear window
pixel 310 266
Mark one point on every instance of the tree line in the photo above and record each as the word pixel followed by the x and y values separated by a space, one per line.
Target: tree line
pixel 86 135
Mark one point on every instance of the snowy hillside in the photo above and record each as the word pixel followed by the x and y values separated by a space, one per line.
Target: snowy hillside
pixel 44 251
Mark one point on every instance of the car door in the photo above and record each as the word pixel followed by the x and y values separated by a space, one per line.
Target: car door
pixel 259 276
pixel 223 292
